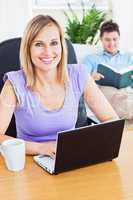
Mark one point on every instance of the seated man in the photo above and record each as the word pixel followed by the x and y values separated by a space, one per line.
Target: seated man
pixel 111 55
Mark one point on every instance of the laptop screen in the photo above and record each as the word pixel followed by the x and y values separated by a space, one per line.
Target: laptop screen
pixel 88 145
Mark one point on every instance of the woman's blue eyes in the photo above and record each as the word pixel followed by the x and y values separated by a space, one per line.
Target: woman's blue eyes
pixel 39 44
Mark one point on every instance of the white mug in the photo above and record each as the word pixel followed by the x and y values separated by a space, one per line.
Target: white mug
pixel 13 151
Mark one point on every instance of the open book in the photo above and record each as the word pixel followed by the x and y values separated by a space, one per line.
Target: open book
pixel 112 77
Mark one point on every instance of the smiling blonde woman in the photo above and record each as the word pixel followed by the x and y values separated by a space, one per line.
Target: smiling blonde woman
pixel 45 93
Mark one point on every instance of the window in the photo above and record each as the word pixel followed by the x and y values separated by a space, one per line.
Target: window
pixel 76 4
pixel 55 8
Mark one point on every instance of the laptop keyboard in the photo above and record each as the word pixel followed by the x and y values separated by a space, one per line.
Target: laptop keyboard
pixel 45 162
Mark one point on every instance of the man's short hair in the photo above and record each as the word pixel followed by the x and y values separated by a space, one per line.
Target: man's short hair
pixel 109 26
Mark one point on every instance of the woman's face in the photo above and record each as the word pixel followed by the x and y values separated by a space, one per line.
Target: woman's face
pixel 46 48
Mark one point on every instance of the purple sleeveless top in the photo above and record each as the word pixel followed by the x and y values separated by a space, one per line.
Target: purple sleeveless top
pixel 34 122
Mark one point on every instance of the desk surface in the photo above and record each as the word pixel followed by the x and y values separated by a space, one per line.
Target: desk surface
pixel 106 181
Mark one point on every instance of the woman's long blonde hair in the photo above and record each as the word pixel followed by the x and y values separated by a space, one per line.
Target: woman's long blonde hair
pixel 31 31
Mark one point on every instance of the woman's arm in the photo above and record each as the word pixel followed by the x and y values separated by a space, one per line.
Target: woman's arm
pixel 97 102
pixel 8 103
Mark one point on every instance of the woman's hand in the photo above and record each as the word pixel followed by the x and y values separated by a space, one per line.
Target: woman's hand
pixel 47 148
pixel 44 148
pixel 97 76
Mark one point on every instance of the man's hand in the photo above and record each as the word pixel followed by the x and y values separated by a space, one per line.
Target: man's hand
pixel 97 76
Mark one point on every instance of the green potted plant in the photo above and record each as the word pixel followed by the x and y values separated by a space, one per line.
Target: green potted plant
pixel 84 30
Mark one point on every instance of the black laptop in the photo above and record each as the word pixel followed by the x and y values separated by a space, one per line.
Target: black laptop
pixel 84 146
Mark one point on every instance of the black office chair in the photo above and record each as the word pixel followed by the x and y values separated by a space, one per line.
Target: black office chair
pixel 9 61
pixel 82 120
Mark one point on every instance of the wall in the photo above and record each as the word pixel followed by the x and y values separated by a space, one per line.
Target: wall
pixel 13 17
pixel 123 15
pixel 57 14
pixel 15 14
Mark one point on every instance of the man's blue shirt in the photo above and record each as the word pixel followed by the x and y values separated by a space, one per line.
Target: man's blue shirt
pixel 119 61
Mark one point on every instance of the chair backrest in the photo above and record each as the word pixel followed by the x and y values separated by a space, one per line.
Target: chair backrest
pixel 9 61
pixel 9 57
pixel 82 119
pixel 71 57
